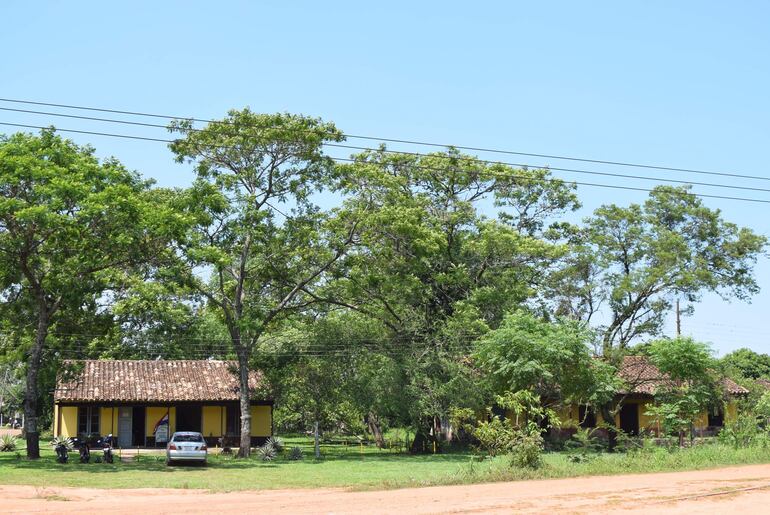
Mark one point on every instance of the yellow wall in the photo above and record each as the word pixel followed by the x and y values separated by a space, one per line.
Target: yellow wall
pixel 108 421
pixel 569 415
pixel 212 420
pixel 645 422
pixel 261 424
pixel 154 414
pixel 56 420
pixel 69 421
pixel 66 420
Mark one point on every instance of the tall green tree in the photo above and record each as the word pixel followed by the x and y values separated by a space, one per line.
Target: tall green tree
pixel 628 264
pixel 260 245
pixel 436 272
pixel 71 226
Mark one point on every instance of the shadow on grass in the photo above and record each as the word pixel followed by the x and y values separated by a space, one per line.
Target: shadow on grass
pixel 157 463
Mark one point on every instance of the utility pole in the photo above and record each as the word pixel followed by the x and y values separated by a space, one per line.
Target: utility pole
pixel 678 320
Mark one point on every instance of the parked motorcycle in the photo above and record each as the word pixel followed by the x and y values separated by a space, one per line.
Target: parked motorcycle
pixel 85 453
pixel 107 449
pixel 62 452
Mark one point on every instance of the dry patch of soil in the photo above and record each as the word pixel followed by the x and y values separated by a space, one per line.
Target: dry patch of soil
pixel 735 489
pixel 8 430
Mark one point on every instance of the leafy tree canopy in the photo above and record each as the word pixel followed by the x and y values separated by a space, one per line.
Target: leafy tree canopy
pixel 629 263
pixel 72 229
pixel 553 358
pixel 749 364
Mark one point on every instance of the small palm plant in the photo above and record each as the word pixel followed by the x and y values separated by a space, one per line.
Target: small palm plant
pixel 63 440
pixel 267 452
pixel 276 442
pixel 295 454
pixel 8 443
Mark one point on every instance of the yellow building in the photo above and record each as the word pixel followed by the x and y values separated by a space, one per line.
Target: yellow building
pixel 141 403
pixel 642 380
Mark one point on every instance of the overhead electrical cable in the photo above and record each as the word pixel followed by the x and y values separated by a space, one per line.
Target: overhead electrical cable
pixel 419 154
pixel 406 141
pixel 342 159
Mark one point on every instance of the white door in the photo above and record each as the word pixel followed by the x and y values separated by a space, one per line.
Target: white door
pixel 125 426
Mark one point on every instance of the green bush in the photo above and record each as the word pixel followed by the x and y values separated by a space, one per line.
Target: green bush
pixel 276 442
pixel 494 437
pixel 582 444
pixel 295 454
pixel 743 432
pixel 762 407
pixel 527 450
pixel 627 443
pixel 8 443
pixel 267 452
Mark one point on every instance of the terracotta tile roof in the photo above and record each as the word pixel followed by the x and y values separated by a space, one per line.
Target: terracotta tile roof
pixel 643 377
pixel 152 381
pixel 733 388
pixel 640 376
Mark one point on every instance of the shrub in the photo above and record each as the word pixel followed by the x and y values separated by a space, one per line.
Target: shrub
pixel 744 431
pixel 68 443
pixel 8 443
pixel 763 407
pixel 582 443
pixel 627 442
pixel 267 452
pixel 276 442
pixel 494 437
pixel 295 454
pixel 527 450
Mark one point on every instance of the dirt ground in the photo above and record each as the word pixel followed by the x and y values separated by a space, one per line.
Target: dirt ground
pixel 8 430
pixel 727 490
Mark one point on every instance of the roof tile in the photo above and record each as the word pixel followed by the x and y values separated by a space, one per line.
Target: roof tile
pixel 153 381
pixel 643 377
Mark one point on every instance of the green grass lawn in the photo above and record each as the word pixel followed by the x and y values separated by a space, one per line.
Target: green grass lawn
pixel 352 467
pixel 340 466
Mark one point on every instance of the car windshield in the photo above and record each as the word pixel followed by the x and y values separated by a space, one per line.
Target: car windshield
pixel 188 438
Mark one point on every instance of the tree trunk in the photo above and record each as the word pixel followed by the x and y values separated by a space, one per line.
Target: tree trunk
pixel 32 433
pixel 423 440
pixel 374 428
pixel 317 442
pixel 612 431
pixel 245 399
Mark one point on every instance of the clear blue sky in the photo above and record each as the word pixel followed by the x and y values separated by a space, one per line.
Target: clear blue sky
pixel 675 83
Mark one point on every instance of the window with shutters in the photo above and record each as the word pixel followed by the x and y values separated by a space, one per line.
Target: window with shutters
pixel 88 421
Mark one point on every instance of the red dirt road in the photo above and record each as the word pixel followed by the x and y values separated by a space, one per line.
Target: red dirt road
pixel 728 490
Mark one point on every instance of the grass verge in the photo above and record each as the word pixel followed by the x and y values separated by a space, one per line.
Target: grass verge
pixel 355 467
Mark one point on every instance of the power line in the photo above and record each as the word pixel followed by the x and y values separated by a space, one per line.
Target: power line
pixel 417 154
pixel 504 176
pixel 411 142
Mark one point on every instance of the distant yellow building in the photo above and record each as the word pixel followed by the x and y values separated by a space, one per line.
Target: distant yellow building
pixel 643 379
pixel 141 403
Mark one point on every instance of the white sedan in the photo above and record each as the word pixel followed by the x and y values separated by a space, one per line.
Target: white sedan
pixel 186 446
